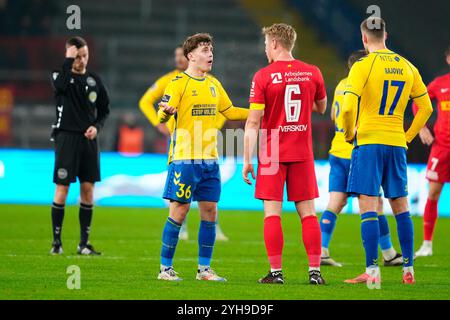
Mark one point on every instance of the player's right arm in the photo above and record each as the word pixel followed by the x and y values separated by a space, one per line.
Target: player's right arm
pixel 353 89
pixel 169 102
pixel 419 95
pixel 257 106
pixel 61 79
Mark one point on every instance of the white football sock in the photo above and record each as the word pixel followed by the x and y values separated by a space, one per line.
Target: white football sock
pixel 389 254
pixel 408 269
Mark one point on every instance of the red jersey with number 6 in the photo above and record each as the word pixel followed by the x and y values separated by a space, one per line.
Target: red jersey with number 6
pixel 286 91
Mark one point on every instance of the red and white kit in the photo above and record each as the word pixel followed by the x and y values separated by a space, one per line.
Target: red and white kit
pixel 287 89
pixel 438 167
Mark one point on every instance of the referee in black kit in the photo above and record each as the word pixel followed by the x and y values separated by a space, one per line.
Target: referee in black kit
pixel 82 106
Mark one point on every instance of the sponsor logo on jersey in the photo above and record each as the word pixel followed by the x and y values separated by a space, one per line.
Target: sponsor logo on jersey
pixel 276 78
pixel 91 81
pixel 204 110
pixel 444 90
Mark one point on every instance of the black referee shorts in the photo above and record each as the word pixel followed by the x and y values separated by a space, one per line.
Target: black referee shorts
pixel 75 156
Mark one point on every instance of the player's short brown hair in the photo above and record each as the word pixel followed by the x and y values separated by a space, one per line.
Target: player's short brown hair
pixel 447 51
pixel 283 33
pixel 355 56
pixel 192 42
pixel 78 42
pixel 375 27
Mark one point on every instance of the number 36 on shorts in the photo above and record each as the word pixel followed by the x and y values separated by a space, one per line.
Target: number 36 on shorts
pixel 183 190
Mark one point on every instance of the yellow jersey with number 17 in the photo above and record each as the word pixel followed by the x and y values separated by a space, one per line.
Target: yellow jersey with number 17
pixel 384 82
pixel 339 147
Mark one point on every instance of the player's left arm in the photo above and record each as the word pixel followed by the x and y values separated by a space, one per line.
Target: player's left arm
pixel 103 110
pixel 420 96
pixel 227 109
pixel 235 113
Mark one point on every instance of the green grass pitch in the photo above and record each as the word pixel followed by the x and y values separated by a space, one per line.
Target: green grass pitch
pixel 130 240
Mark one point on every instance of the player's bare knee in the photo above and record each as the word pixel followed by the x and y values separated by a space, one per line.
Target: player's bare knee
pixel 434 192
pixel 87 193
pixel 61 194
pixel 208 212
pixel 178 211
pixel 399 205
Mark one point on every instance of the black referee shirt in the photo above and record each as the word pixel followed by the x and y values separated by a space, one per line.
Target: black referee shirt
pixel 81 99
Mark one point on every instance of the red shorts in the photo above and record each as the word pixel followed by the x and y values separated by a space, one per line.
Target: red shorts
pixel 438 167
pixel 300 178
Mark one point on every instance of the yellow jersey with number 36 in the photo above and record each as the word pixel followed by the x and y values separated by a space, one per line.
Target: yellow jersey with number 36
pixel 384 82
pixel 199 102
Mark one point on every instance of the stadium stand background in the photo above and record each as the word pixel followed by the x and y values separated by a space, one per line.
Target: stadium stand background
pixel 132 45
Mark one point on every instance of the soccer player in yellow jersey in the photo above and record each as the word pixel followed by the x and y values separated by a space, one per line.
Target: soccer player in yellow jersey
pixel 194 99
pixel 340 155
pixel 153 95
pixel 378 89
pixel 156 91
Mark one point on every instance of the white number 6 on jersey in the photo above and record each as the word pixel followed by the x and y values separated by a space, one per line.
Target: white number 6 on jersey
pixel 292 107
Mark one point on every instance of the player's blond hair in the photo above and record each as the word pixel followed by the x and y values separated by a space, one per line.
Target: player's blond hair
pixel 282 33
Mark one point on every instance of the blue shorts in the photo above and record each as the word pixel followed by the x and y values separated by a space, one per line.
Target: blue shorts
pixel 187 181
pixel 339 169
pixel 374 166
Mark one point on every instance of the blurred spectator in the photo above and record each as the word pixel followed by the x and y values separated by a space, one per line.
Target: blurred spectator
pixel 129 137
pixel 26 17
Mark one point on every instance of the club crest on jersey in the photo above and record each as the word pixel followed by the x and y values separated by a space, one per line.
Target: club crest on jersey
pixel 91 81
pixel 92 96
pixel 276 78
pixel 194 93
pixel 213 91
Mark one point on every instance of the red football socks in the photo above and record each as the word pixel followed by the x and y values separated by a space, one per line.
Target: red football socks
pixel 273 238
pixel 429 219
pixel 312 240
